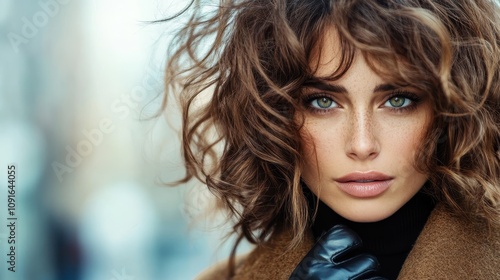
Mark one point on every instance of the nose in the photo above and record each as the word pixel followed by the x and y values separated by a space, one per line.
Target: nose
pixel 361 141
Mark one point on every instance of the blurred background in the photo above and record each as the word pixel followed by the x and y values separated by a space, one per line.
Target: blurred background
pixel 78 81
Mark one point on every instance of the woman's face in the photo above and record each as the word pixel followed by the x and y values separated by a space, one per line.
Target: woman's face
pixel 360 137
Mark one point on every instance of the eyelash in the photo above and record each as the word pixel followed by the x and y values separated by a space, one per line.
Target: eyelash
pixel 414 99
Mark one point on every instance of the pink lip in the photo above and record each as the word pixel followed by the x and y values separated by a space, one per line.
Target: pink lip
pixel 364 184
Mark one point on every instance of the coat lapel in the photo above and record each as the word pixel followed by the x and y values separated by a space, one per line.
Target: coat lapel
pixel 272 261
pixel 450 248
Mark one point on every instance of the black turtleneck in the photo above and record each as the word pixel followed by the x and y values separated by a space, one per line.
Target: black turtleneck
pixel 390 240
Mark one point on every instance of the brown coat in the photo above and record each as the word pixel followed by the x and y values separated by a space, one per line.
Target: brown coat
pixel 447 248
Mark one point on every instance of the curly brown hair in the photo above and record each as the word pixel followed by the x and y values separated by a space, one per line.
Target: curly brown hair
pixel 238 71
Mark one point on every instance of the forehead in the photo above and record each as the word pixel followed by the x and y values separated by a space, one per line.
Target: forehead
pixel 331 59
pixel 326 54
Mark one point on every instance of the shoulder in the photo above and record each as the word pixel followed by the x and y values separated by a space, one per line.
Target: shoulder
pixel 448 247
pixel 270 260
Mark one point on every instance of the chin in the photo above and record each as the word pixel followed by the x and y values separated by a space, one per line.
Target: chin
pixel 367 212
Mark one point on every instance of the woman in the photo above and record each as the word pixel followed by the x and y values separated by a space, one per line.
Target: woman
pixel 346 122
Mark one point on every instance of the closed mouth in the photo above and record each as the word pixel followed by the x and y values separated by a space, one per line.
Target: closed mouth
pixel 364 177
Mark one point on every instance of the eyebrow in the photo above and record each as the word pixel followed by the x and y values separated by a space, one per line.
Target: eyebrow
pixel 340 89
pixel 325 86
pixel 385 87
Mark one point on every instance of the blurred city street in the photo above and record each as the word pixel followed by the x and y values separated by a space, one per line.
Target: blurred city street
pixel 79 82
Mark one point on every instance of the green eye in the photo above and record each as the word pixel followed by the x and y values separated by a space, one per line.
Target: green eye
pixel 322 103
pixel 398 102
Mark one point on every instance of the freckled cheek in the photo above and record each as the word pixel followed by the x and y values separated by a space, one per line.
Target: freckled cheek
pixel 401 139
pixel 319 140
